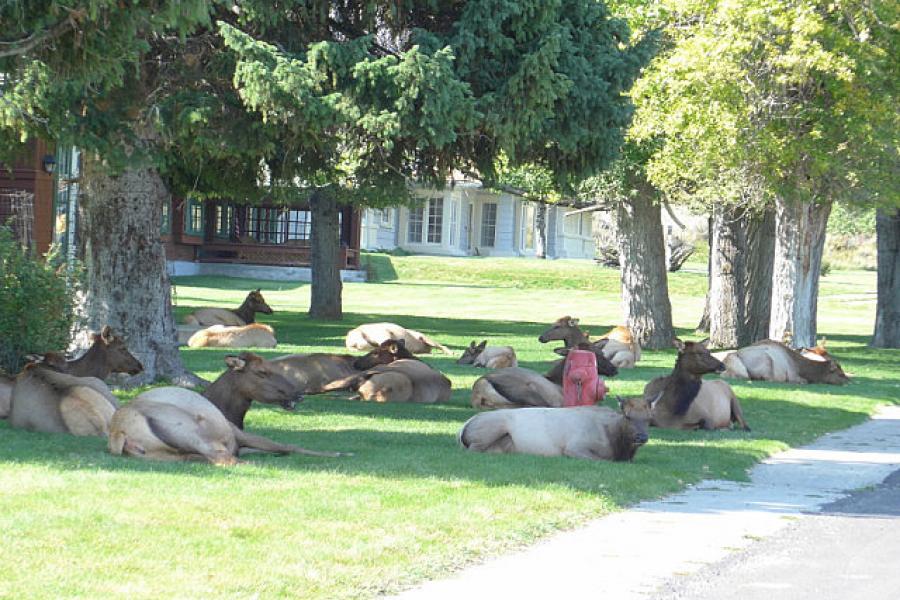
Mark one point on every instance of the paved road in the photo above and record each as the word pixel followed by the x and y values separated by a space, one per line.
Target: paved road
pixel 657 546
pixel 849 550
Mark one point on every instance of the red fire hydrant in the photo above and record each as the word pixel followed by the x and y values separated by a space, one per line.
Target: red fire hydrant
pixel 582 386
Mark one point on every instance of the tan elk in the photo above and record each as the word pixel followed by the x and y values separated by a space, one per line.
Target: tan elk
pixel 254 335
pixel 403 380
pixel 311 372
pixel 490 357
pixel 682 400
pixel 769 360
pixel 592 432
pixel 623 355
pixel 45 400
pixel 176 424
pixel 242 315
pixel 371 335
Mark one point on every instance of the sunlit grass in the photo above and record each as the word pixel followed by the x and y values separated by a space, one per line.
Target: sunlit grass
pixel 409 504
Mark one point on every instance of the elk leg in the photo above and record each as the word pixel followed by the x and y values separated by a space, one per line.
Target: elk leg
pixel 248 440
pixel 737 414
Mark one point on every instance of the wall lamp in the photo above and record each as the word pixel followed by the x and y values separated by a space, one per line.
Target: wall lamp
pixel 49 163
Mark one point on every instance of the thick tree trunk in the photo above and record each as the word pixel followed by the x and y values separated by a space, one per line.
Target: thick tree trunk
pixel 126 284
pixel 799 242
pixel 726 281
pixel 759 233
pixel 325 291
pixel 645 290
pixel 540 230
pixel 887 313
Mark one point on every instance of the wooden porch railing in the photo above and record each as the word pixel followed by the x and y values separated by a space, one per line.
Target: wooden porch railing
pixel 269 254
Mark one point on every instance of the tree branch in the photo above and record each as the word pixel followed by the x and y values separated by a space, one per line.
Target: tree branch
pixel 27 44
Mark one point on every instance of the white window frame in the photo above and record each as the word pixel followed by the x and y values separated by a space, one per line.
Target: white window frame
pixel 493 225
pixel 387 217
pixel 527 226
pixel 417 216
pixel 454 221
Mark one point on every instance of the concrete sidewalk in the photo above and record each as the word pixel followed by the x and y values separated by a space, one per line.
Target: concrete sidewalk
pixel 632 553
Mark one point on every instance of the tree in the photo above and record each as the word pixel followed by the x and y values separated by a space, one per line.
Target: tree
pixel 800 96
pixel 887 315
pixel 87 74
pixel 374 95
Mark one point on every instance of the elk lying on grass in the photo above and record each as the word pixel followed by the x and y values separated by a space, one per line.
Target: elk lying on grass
pixel 593 432
pixel 243 315
pixel 769 360
pixel 254 335
pixel 490 357
pixel 176 424
pixel 682 400
pixel 311 372
pixel 371 335
pixel 620 348
pixel 403 380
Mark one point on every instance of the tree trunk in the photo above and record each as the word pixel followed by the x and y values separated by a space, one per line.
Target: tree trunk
pixel 540 230
pixel 799 242
pixel 325 291
pixel 645 290
pixel 887 312
pixel 726 281
pixel 759 233
pixel 126 284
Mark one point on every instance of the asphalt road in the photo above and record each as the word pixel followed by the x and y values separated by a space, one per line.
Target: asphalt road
pixel 849 550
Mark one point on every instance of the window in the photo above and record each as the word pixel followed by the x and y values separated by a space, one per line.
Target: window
pixel 193 219
pixel 435 220
pixel 298 225
pixel 416 219
pixel 488 224
pixel 224 220
pixel 387 217
pixel 527 226
pixel 454 221
pixel 165 222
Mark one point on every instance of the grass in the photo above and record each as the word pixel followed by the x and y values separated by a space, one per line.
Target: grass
pixel 410 504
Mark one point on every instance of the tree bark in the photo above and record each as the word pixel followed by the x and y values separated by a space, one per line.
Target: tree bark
pixel 759 235
pixel 325 291
pixel 726 281
pixel 645 290
pixel 887 312
pixel 799 243
pixel 540 230
pixel 126 283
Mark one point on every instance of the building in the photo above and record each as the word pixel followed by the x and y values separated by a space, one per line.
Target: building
pixel 466 220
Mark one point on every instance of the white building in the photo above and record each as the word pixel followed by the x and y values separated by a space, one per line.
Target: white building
pixel 467 220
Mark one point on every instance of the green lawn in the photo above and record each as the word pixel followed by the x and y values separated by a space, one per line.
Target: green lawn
pixel 410 504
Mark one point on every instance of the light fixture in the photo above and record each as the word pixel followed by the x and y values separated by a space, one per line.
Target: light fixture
pixel 49 163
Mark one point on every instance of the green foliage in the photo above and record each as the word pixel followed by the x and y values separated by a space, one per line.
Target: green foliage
pixel 851 220
pixel 35 305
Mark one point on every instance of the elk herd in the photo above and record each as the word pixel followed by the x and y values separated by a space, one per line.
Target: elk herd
pixel 523 410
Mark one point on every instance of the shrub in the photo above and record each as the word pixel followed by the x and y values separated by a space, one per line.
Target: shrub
pixel 36 308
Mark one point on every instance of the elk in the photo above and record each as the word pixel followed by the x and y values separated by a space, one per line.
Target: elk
pixel 769 360
pixel 490 357
pixel 371 335
pixel 403 380
pixel 682 400
pixel 176 424
pixel 242 315
pixel 311 372
pixel 622 354
pixel 592 432
pixel 254 335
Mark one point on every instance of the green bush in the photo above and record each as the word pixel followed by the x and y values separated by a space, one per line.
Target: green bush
pixel 36 308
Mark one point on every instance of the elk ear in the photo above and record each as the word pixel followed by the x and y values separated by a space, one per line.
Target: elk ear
pixel 482 345
pixel 106 334
pixel 235 363
pixel 258 290
pixel 394 348
pixel 678 344
pixel 473 344
pixel 703 343
pixel 562 351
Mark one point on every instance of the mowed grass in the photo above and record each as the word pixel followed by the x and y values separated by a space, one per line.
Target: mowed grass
pixel 410 504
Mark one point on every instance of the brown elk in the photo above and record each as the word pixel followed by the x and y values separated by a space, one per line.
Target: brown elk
pixel 242 315
pixel 593 432
pixel 769 360
pixel 43 399
pixel 254 335
pixel 108 354
pixel 249 377
pixel 490 357
pixel 176 424
pixel 403 380
pixel 623 355
pixel 311 372
pixel 371 335
pixel 682 400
